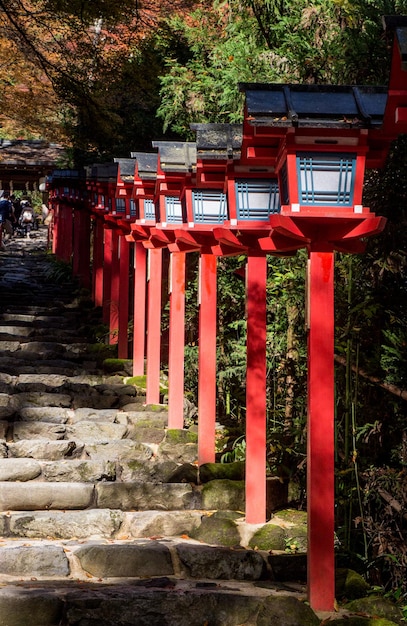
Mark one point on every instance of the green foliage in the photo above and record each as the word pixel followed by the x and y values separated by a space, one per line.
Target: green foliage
pixel 237 452
pixel 209 52
pixel 57 271
pixel 218 52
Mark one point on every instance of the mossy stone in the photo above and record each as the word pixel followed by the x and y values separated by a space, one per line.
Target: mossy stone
pixel 137 381
pixel 292 516
pixel 286 611
pixel 217 531
pixel 233 515
pixel 224 494
pixel 156 408
pixel 376 605
pixel 175 435
pixel 349 584
pixel 269 537
pixel 297 536
pixel 116 365
pixel 219 471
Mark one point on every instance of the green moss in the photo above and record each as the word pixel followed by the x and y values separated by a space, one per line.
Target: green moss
pixel 349 584
pixel 156 407
pixel 293 516
pixel 224 494
pixel 134 465
pixel 286 611
pixel 376 606
pixel 115 365
pixel 180 436
pixel 214 471
pixel 137 381
pixel 217 531
pixel 269 537
pixel 96 347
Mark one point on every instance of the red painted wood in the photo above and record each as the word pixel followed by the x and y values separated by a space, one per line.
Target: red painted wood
pixel 320 467
pixel 55 225
pixel 77 228
pixel 81 247
pixel 63 233
pixel 97 275
pixel 107 274
pixel 139 314
pixel 154 327
pixel 114 288
pixel 124 260
pixel 67 233
pixel 207 359
pixel 256 391
pixel 176 341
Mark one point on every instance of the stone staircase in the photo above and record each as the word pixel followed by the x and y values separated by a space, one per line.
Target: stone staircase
pixel 100 521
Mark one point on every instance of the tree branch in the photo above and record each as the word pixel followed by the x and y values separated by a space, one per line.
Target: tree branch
pixel 400 393
pixel 395 504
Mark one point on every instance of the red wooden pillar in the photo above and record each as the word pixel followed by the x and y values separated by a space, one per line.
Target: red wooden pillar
pixel 97 274
pixel 320 453
pixel 55 226
pixel 114 289
pixel 256 391
pixel 123 340
pixel 107 274
pixel 65 233
pixel 207 359
pixel 81 247
pixel 139 315
pixel 154 326
pixel 176 341
pixel 76 239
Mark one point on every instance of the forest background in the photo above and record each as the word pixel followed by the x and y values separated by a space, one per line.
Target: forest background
pixel 105 78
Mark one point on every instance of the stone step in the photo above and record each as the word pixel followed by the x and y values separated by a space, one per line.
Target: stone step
pixel 84 431
pixel 138 558
pixel 68 469
pixel 57 390
pixel 19 364
pixel 224 495
pixel 37 495
pixel 99 524
pixel 155 601
pixel 42 322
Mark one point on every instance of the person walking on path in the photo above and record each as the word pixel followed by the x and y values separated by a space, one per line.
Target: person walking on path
pixel 6 216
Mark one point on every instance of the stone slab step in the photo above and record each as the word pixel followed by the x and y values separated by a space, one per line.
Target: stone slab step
pixel 25 469
pixel 86 431
pixel 31 496
pixel 155 601
pixel 16 363
pixel 99 524
pixel 122 449
pixel 139 558
pixel 72 470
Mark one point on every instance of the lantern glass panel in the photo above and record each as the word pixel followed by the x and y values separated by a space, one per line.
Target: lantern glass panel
pixel 149 209
pixel 209 206
pixel 173 210
pixel 120 205
pixel 257 199
pixel 326 179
